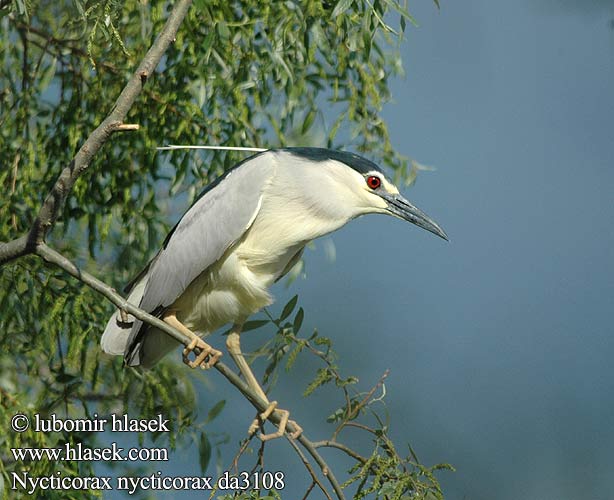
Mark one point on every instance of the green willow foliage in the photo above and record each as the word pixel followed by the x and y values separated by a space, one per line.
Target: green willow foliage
pixel 248 73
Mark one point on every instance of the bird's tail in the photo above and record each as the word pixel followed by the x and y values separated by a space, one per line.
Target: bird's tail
pixel 116 334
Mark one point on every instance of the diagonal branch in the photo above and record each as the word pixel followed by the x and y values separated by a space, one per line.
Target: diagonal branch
pixel 53 257
pixel 50 208
pixel 314 478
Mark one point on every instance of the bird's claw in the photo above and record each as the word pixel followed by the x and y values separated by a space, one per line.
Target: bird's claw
pixel 206 356
pixel 281 427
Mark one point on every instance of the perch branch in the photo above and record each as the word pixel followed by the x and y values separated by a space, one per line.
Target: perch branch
pixel 53 257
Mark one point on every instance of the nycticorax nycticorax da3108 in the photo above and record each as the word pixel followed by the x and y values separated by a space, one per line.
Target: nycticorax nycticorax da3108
pixel 245 231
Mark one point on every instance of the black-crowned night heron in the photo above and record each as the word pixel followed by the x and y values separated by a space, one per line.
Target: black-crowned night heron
pixel 245 231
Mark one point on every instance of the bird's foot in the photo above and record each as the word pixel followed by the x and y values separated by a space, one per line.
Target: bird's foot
pixel 281 427
pixel 206 356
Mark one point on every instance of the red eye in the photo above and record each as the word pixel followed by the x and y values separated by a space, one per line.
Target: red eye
pixel 374 182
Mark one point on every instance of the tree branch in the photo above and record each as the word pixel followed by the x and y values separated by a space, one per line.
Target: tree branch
pixel 334 444
pixel 50 208
pixel 353 410
pixel 14 249
pixel 314 478
pixel 53 257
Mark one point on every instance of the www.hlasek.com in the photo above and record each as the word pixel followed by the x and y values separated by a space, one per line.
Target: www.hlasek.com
pixel 26 482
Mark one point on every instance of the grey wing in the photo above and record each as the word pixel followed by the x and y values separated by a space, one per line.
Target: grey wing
pixel 211 226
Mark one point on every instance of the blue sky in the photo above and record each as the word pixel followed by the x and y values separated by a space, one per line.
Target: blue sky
pixel 509 332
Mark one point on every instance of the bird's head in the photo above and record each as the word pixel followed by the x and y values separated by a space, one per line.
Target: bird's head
pixel 360 185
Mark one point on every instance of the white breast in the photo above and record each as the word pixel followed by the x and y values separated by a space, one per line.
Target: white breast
pixel 227 293
pixel 293 211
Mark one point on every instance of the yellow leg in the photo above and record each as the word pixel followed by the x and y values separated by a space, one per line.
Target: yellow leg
pixel 233 343
pixel 207 355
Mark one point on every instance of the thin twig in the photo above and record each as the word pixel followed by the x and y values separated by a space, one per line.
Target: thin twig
pixel 242 449
pixel 323 465
pixel 369 395
pixel 354 411
pixel 362 427
pixel 308 466
pixel 14 185
pixel 260 460
pixel 335 444
pixel 123 127
pixel 66 44
pixel 311 486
